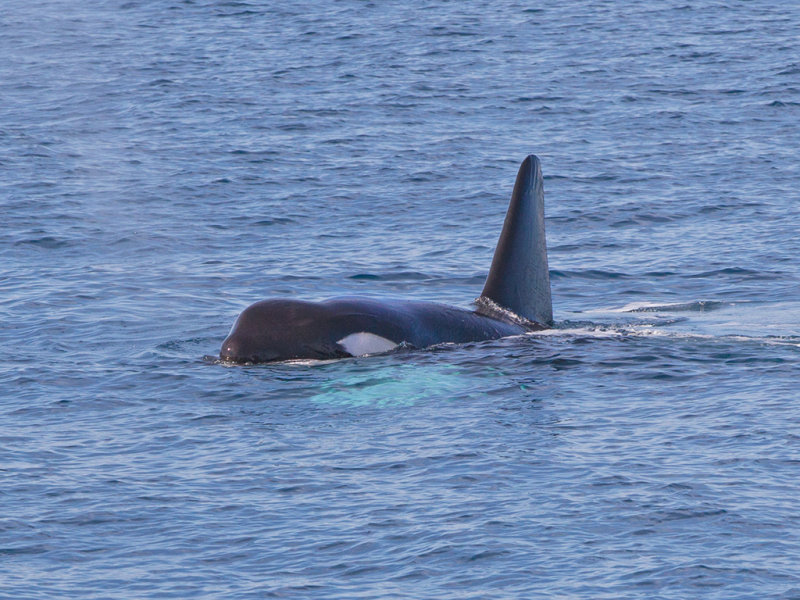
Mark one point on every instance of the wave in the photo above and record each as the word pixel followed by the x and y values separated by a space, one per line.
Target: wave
pixel 397 276
pixel 573 330
pixel 695 306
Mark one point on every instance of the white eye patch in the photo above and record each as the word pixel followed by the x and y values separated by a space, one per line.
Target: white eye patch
pixel 362 343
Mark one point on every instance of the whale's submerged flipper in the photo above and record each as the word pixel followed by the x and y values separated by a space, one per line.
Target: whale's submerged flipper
pixel 519 279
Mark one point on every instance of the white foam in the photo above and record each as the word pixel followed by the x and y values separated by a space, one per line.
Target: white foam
pixel 649 330
pixel 597 332
pixel 696 305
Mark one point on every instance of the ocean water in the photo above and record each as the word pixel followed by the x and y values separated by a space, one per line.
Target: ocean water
pixel 165 163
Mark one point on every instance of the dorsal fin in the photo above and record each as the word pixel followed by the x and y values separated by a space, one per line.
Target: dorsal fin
pixel 519 279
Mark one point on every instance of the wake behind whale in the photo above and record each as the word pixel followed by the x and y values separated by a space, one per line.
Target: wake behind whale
pixel 515 299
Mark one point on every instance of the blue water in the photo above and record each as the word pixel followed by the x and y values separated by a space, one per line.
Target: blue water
pixel 163 164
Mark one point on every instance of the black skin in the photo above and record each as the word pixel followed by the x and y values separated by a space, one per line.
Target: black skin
pixel 276 330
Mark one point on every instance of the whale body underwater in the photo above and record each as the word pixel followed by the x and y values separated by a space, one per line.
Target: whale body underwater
pixel 515 300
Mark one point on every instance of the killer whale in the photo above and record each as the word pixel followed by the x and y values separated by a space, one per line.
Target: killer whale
pixel 515 299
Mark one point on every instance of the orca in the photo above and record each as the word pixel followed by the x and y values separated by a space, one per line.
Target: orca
pixel 515 299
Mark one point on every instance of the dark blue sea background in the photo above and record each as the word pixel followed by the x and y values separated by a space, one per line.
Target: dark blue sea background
pixel 165 163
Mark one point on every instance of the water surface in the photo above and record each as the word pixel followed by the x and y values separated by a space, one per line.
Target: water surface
pixel 166 163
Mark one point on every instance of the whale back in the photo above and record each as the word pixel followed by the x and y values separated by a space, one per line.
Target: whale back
pixel 519 279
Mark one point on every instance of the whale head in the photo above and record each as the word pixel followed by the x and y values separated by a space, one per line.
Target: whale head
pixel 276 330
